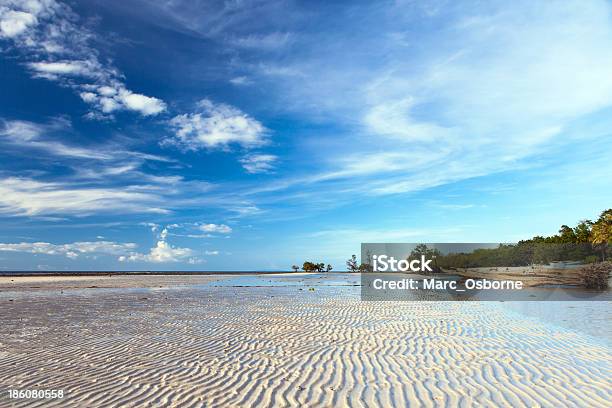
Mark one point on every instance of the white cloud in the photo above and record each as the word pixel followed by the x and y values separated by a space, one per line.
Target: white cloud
pixel 220 228
pixel 72 255
pixel 47 35
pixel 52 70
pixel 212 253
pixel 30 135
pixel 258 163
pixel 72 250
pixel 109 159
pixel 216 126
pixel 115 96
pixel 240 80
pixel 13 23
pixel 245 210
pixel 393 119
pixel 271 41
pixel 162 252
pixel 146 105
pixel 468 106
pixel 25 196
pixel 154 227
pixel 488 90
pixel 163 234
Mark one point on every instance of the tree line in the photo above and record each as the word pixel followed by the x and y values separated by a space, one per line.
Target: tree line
pixel 589 242
pixel 313 267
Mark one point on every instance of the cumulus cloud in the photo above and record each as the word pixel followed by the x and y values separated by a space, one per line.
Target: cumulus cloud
pixel 71 250
pixel 216 126
pixel 114 96
pixel 219 228
pixel 162 252
pixel 146 105
pixel 47 35
pixel 258 163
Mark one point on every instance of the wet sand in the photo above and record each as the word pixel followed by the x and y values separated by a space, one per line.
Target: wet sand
pixel 195 341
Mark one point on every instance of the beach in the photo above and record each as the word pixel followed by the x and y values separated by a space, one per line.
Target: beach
pixel 287 341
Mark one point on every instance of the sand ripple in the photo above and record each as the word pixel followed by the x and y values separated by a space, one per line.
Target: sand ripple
pixel 244 347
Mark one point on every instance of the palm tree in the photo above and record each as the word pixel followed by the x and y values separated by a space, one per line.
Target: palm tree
pixel 601 233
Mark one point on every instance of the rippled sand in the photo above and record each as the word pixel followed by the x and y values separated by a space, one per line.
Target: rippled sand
pixel 195 343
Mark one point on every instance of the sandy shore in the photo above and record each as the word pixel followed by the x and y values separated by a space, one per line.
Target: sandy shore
pixel 24 283
pixel 270 341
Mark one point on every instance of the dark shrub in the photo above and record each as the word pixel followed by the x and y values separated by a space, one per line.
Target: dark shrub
pixel 595 276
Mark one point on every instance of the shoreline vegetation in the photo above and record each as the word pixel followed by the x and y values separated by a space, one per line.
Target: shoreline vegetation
pixel 576 256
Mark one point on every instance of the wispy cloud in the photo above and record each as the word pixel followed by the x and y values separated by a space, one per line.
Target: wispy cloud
pixel 54 70
pixel 220 228
pixel 25 196
pixel 240 80
pixel 258 163
pixel 93 162
pixel 71 250
pixel 447 105
pixel 270 41
pixel 162 252
pixel 29 135
pixel 47 34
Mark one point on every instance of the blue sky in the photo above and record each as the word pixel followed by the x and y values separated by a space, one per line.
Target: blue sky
pixel 242 135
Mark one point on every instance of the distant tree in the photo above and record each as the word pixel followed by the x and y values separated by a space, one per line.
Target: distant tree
pixel 320 267
pixel 351 264
pixel 364 267
pixel 420 249
pixel 309 267
pixel 329 268
pixel 423 250
pixel 295 268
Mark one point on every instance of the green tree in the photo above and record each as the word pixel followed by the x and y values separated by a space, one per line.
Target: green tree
pixel 351 264
pixel 566 235
pixel 364 267
pixel 582 231
pixel 601 232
